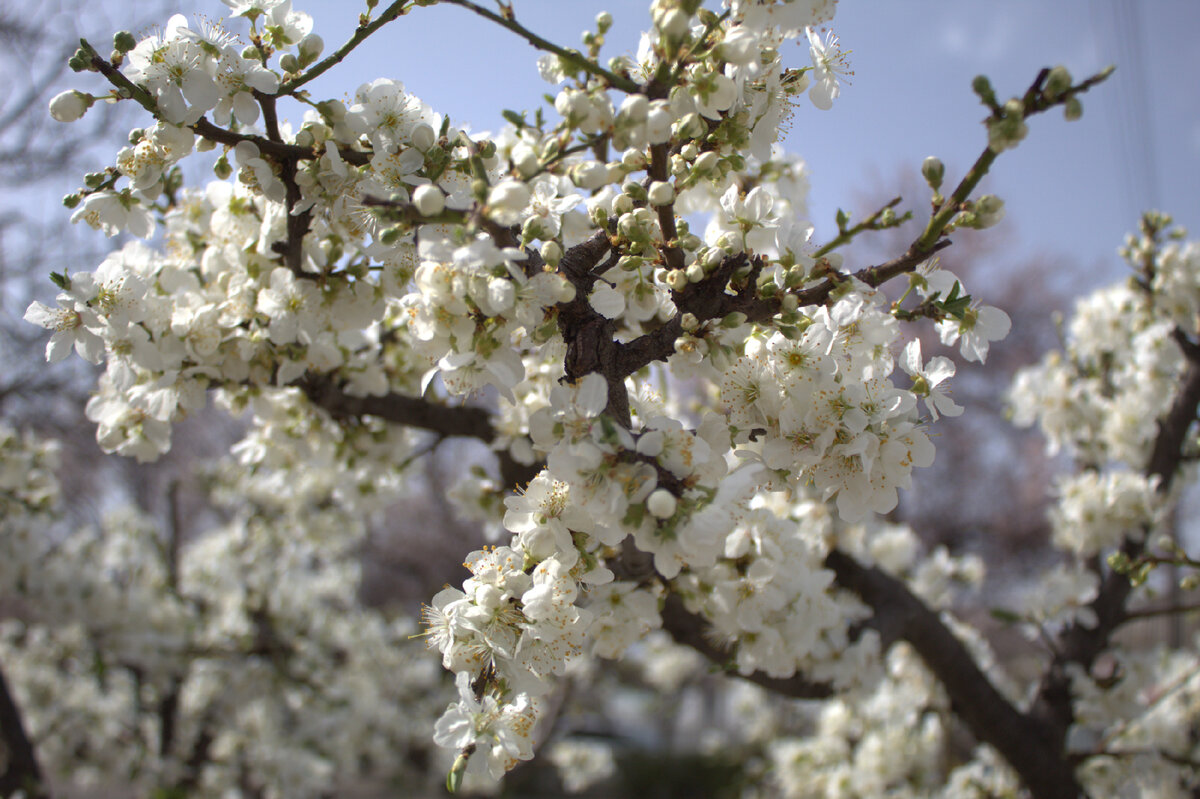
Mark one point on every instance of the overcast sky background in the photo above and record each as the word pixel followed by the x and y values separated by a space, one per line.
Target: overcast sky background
pixel 1070 188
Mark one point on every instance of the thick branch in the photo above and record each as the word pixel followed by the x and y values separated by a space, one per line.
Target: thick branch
pixel 21 772
pixel 445 420
pixel 691 630
pixel 991 717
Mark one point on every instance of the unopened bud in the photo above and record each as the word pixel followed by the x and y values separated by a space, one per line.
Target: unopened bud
pixel 705 163
pixel 123 41
pixel 70 105
pixel 551 253
pixel 635 191
pixel 1057 82
pixel 732 320
pixel 983 87
pixel 660 193
pixel 310 48
pixel 661 503
pixel 674 24
pixel 429 200
pixel 1072 109
pixel 933 170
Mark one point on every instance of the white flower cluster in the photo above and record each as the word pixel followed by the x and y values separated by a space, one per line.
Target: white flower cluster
pixel 821 408
pixel 1097 511
pixel 1100 399
pixel 366 267
pixel 251 637
pixel 30 500
pixel 1135 724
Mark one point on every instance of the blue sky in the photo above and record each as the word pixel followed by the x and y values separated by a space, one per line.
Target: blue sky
pixel 1070 188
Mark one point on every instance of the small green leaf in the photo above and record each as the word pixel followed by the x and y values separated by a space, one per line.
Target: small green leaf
pixel 516 119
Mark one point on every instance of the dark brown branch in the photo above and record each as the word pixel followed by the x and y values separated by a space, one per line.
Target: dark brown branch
pixel 21 770
pixel 445 420
pixel 1024 743
pixel 1157 612
pixel 588 335
pixel 706 303
pixel 691 630
pixel 658 171
pixel 292 249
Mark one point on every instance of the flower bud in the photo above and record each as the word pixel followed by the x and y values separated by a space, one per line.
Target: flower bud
pixel 674 24
pixel 589 175
pixel 633 159
pixel 510 196
pixel 1057 82
pixel 123 41
pixel 732 320
pixel 933 170
pixel 691 126
pixel 660 193
pixel 661 503
pixel 635 108
pixel 310 48
pixel 551 253
pixel 635 191
pixel 676 279
pixel 989 210
pixel 429 200
pixel 983 87
pixel 1072 109
pixel 70 105
pixel 705 163
pixel 289 63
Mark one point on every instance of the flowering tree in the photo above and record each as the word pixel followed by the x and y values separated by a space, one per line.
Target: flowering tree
pixel 695 413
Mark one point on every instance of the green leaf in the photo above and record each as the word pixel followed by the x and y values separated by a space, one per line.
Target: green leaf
pixel 516 119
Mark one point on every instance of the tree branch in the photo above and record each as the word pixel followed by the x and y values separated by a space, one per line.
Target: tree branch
pixel 445 420
pixel 993 719
pixel 364 29
pixel 573 57
pixel 1079 644
pixel 691 630
pixel 21 772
